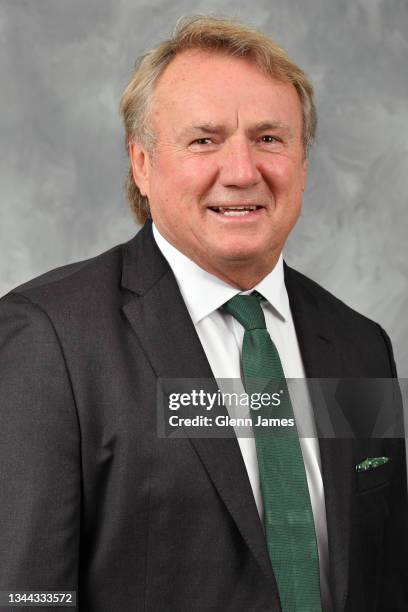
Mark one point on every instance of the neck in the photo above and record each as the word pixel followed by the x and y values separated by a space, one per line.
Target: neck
pixel 239 274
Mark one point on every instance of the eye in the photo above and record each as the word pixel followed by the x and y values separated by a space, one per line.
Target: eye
pixel 201 141
pixel 268 138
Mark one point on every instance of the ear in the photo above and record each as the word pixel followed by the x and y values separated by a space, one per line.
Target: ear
pixel 140 161
pixel 304 173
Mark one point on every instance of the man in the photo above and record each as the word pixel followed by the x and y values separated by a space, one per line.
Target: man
pixel 218 123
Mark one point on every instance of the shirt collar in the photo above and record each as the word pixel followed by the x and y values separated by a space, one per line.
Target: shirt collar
pixel 204 293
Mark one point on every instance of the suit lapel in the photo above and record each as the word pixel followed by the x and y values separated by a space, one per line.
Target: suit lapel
pixel 319 349
pixel 160 319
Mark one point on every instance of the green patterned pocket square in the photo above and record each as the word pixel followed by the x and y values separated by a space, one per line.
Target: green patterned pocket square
pixel 370 463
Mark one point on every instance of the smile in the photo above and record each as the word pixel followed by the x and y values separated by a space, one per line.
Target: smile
pixel 235 211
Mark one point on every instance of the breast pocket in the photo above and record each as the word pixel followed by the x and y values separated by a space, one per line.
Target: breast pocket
pixel 374 478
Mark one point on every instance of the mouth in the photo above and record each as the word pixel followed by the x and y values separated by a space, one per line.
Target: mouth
pixel 236 211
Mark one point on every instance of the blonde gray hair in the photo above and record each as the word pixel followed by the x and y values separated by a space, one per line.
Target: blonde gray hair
pixel 208 33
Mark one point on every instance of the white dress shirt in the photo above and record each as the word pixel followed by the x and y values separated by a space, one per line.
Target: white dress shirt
pixel 221 336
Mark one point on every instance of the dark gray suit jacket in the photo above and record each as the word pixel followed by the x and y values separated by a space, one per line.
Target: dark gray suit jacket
pixel 92 500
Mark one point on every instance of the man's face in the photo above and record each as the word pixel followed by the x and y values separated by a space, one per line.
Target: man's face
pixel 227 137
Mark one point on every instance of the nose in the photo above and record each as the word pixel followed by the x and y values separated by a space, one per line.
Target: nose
pixel 238 165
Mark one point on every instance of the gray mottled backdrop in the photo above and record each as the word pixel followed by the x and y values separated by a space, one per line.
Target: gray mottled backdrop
pixel 63 65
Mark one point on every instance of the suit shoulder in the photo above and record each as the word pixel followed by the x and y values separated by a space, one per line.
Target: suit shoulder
pixel 69 272
pixel 363 340
pixel 80 283
pixel 335 307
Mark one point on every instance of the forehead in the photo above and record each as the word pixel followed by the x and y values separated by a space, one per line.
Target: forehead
pixel 203 83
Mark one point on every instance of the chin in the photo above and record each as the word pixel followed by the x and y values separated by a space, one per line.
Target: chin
pixel 248 252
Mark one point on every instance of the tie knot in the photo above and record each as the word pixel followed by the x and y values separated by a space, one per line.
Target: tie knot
pixel 247 310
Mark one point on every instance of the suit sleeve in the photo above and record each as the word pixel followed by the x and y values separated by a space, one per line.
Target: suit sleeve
pixel 39 454
pixel 394 594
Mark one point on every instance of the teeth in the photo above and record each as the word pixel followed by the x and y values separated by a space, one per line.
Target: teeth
pixel 235 211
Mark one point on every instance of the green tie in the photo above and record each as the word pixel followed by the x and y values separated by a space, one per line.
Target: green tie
pixel 288 517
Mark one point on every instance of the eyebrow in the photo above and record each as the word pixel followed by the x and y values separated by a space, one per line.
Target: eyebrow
pixel 271 125
pixel 213 128
pixel 208 128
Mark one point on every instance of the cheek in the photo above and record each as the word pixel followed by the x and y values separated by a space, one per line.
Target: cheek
pixel 197 174
pixel 175 188
pixel 285 177
pixel 193 174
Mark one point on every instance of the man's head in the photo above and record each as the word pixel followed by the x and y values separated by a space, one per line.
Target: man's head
pixel 217 117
